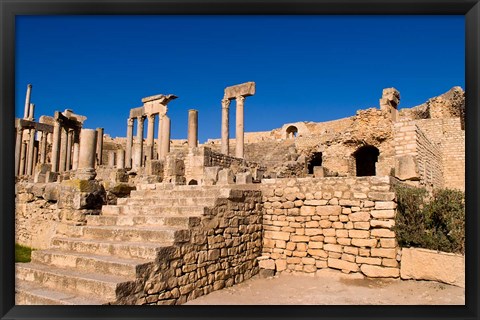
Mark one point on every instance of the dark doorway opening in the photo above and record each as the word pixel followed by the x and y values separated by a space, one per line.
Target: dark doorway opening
pixel 315 161
pixel 292 132
pixel 365 159
pixel 193 182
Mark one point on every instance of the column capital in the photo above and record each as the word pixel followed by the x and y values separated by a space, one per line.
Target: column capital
pixel 141 118
pixel 240 98
pixel 225 103
pixel 130 121
pixel 151 116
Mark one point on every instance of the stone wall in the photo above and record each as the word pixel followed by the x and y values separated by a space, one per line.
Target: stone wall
pixel 450 139
pixel 410 140
pixel 339 223
pixel 220 249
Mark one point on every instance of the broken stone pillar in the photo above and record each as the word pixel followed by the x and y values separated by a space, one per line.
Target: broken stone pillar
pixel 86 162
pixel 225 129
pixel 99 146
pixel 76 149
pixel 210 175
pixel 63 149
pixel 128 147
pixel 111 159
pixel 139 143
pixel 226 176
pixel 35 156
pixel 192 128
pixel 165 145
pixel 390 101
pixel 120 159
pixel 27 102
pixel 150 135
pixel 56 145
pixel 68 164
pixel 18 147
pixel 239 134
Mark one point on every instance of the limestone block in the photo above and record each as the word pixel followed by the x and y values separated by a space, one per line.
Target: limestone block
pixel 267 264
pixel 383 233
pixel 381 196
pixel 329 210
pixel 244 178
pixel 406 168
pixel 359 216
pixel 385 205
pixel 423 264
pixel 342 265
pixel 333 247
pixel 367 260
pixel 385 253
pixel 362 234
pixel 243 89
pixel 315 202
pixel 379 272
pixel 318 172
pixel 225 176
pixel 383 214
pixel 382 223
pixel 364 242
pixel 154 167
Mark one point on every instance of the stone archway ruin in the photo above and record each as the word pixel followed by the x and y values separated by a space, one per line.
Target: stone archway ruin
pixel 366 158
pixel 292 132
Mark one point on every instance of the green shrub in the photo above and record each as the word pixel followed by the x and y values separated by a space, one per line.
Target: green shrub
pixel 435 221
pixel 22 253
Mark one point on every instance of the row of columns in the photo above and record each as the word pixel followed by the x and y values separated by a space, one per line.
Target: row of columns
pixel 240 130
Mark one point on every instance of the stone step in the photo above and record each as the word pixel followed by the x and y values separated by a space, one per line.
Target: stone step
pixel 204 201
pixel 159 234
pixel 153 210
pixel 29 293
pixel 197 192
pixel 72 280
pixel 121 249
pixel 118 220
pixel 88 262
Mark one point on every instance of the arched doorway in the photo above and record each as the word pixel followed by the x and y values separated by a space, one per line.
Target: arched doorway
pixel 314 161
pixel 366 158
pixel 291 132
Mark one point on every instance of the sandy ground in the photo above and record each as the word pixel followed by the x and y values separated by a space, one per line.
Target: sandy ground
pixel 331 287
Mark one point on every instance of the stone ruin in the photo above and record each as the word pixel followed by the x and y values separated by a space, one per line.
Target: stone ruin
pixel 165 221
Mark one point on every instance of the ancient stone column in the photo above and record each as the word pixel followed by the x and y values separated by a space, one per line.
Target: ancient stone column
pixel 76 149
pixel 31 111
pixel 120 159
pixel 225 131
pixel 18 147
pixel 31 142
pixel 88 147
pixel 23 156
pixel 35 155
pixel 27 102
pixel 68 164
pixel 99 151
pixel 63 149
pixel 192 128
pixel 139 144
pixel 43 147
pixel 239 135
pixel 150 134
pixel 165 145
pixel 111 159
pixel 56 146
pixel 159 135
pixel 128 147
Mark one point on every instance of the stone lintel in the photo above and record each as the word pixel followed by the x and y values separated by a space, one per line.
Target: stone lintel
pixel 136 112
pixel 68 122
pixel 244 89
pixel 164 99
pixel 27 124
pixel 72 116
pixel 47 120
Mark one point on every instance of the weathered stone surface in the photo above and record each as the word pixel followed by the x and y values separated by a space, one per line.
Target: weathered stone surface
pixel 383 214
pixel 423 264
pixel 406 168
pixel 379 272
pixel 243 89
pixel 342 265
pixel 359 216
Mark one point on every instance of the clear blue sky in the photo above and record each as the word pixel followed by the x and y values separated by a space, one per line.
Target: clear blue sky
pixel 307 68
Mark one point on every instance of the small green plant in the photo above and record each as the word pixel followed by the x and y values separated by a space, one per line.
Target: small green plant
pixel 22 253
pixel 435 221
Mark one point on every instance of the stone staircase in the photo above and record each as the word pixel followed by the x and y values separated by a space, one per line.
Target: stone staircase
pixel 103 261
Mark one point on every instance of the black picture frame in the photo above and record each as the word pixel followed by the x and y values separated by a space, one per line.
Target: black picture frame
pixel 10 8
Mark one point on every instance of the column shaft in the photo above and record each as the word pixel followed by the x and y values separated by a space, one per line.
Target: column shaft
pixel 99 146
pixel 138 158
pixel 63 149
pixel 128 147
pixel 56 146
pixel 225 129
pixel 31 111
pixel 23 156
pixel 192 128
pixel 31 149
pixel 27 102
pixel 76 149
pixel 18 147
pixel 165 137
pixel 68 164
pixel 88 146
pixel 111 159
pixel 150 134
pixel 239 135
pixel 43 147
pixel 120 159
